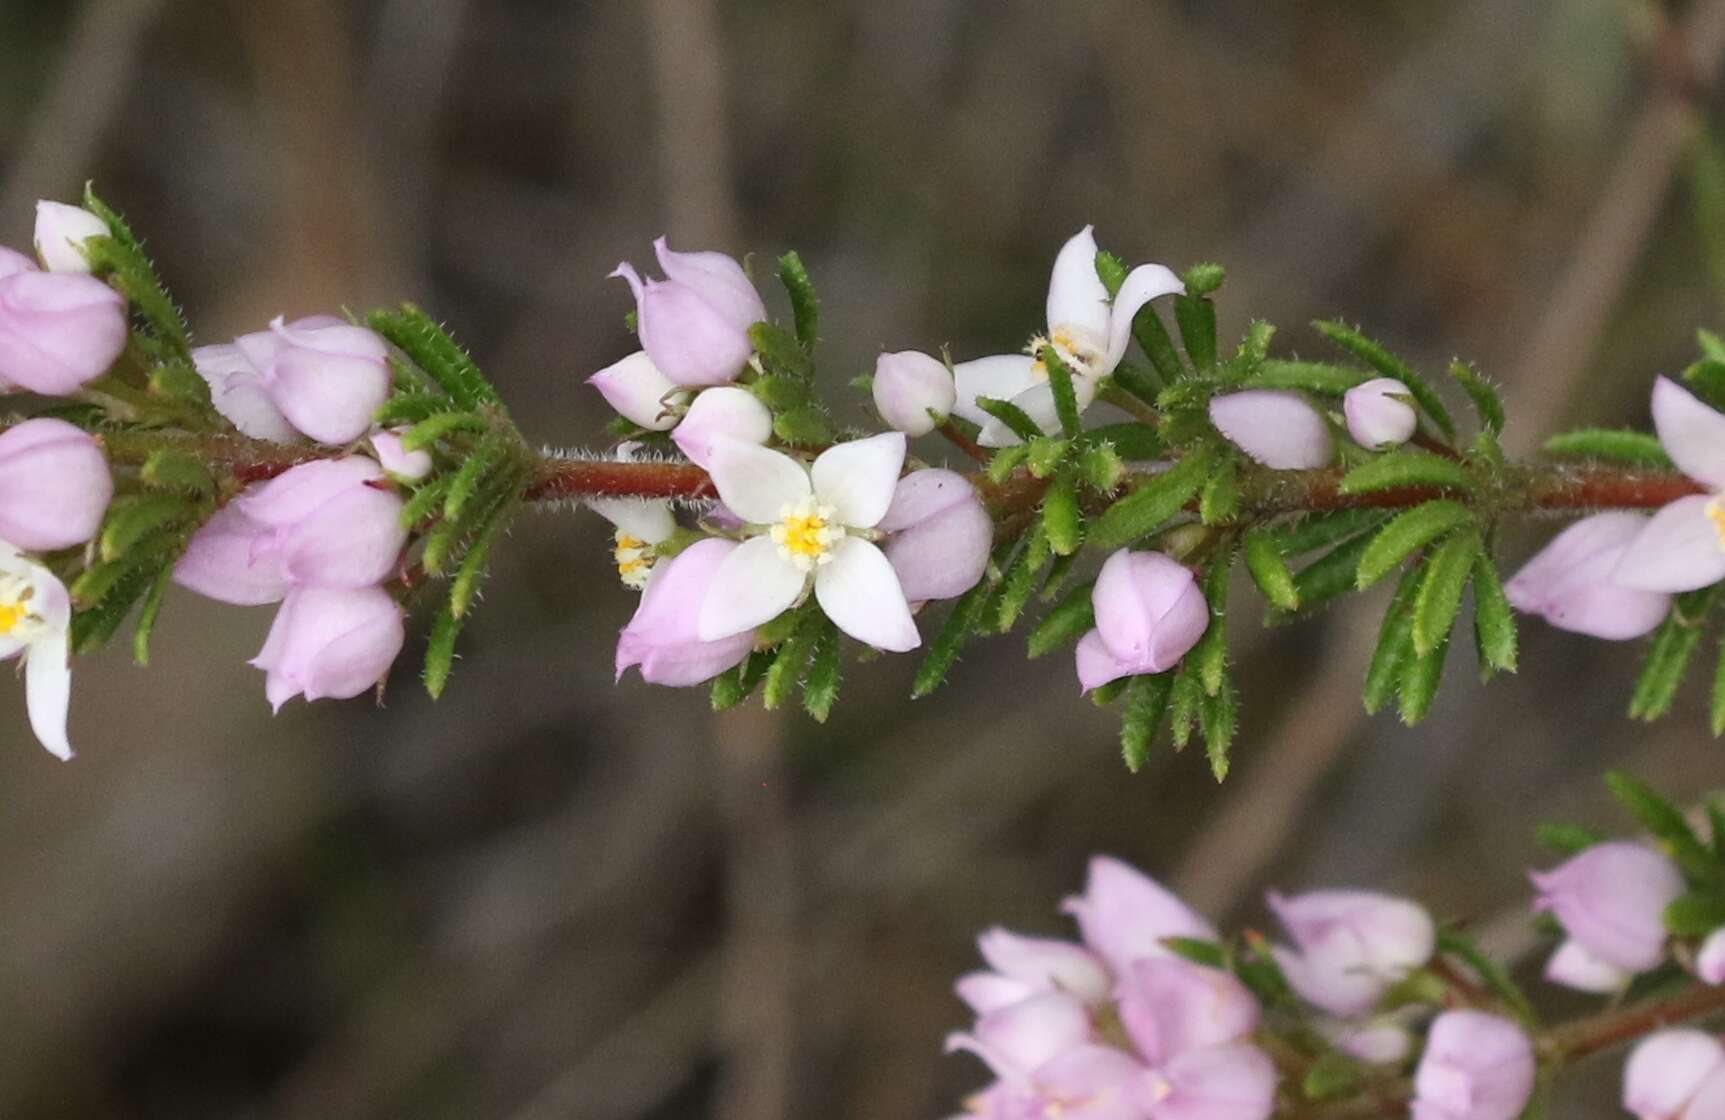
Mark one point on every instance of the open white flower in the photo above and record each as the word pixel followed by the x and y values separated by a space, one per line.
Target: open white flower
pixel 1683 547
pixel 35 614
pixel 1088 332
pixel 811 525
pixel 640 523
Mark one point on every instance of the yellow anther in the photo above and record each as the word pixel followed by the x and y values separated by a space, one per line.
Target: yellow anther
pixel 1716 514
pixel 806 534
pixel 11 614
pixel 635 558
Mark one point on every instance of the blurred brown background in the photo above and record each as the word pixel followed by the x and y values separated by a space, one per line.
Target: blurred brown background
pixel 549 897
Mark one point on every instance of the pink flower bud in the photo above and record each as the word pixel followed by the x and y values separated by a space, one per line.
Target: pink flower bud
pixel 1124 915
pixel 1573 966
pixel 1570 584
pixel 398 463
pixel 1666 1072
pixel 719 280
pixel 638 392
pixel 54 485
pixel 1017 1039
pixel 330 643
pixel 232 559
pixel 327 524
pixel 1232 1082
pixel 61 231
pixel 694 332
pixel 941 535
pixel 724 412
pixel 1475 1067
pixel 57 330
pixel 1275 428
pixel 1378 413
pixel 1170 1007
pixel 1045 965
pixel 1611 899
pixel 1710 961
pixel 913 391
pixel 319 376
pixel 662 638
pixel 1149 612
pixel 1352 945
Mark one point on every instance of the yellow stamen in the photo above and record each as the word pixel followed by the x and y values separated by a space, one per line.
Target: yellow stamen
pixel 635 559
pixel 1716 514
pixel 806 534
pixel 11 614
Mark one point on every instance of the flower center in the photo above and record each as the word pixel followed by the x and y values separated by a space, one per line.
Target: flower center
pixel 1716 514
pixel 1073 347
pixel 635 559
pixel 17 620
pixel 805 534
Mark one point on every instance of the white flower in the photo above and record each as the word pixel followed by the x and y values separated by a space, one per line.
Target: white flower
pixel 810 525
pixel 640 524
pixel 1088 332
pixel 35 614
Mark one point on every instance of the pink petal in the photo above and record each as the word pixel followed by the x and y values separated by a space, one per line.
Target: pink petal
pixel 1692 433
pixel 753 585
pixel 1275 428
pixel 1681 549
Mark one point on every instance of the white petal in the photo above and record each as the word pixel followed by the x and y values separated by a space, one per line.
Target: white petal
pixel 858 478
pixel 1142 284
pixel 642 518
pixel 1037 402
pixel 755 483
pixel 48 690
pixel 1002 377
pixel 1077 298
pixel 1680 550
pixel 1692 433
pixel 755 584
pixel 860 592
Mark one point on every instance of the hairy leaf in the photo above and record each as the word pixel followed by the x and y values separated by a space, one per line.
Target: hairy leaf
pixel 1406 533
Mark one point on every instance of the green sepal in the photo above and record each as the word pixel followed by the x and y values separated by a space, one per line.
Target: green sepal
pixel 821 684
pixel 179 382
pixel 426 501
pixel 1046 454
pixel 1015 419
pixel 1203 279
pixel 1619 445
pixel 167 469
pixel 1196 318
pixel 1154 502
pixel 781 351
pixel 1209 657
pixel 1100 467
pixel 1487 403
pixel 1062 520
pixel 1375 355
pixel 1406 533
pixel 733 686
pixel 1270 570
pixel 1007 460
pixel 1210 954
pixel 434 351
pixel 1220 498
pixel 1105 694
pixel 1706 379
pixel 805 306
pixel 1111 270
pixel 1405 467
pixel 1146 704
pixel 1439 597
pixel 1493 618
pixel 1069 620
pixel 1311 377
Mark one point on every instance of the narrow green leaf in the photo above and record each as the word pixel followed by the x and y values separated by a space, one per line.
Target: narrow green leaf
pixel 1154 502
pixel 1496 979
pixel 1421 676
pixel 152 609
pixel 1186 697
pixel 1007 460
pixel 121 256
pixel 1209 658
pixel 474 562
pixel 1046 455
pixel 1220 498
pixel 1062 520
pixel 1566 840
pixel 1405 467
pixel 428 431
pixel 426 501
pixel 1311 377
pixel 1019 581
pixel 121 585
pixel 1015 418
pixel 1105 694
pixel 167 469
pixel 821 686
pixel 1668 656
pixel 440 649
pixel 1487 403
pixel 1060 384
pixel 179 381
pixel 1395 645
pixel 1100 468
pixel 786 673
pixel 1375 355
pixel 1210 954
pixel 1331 575
pixel 1668 826
pixel 1716 712
pixel 1406 533
pixel 1111 270
pixel 1196 317
pixel 1138 381
pixel 1332 1075
pixel 130 520
pixel 1320 530
pixel 1218 715
pixel 434 351
pixel 409 408
pixel 960 623
pixel 1620 445
pixel 1131 440
pixel 1695 914
pixel 1153 338
pixel 805 307
pixel 1493 619
pixel 1146 704
pixel 1706 379
pixel 1440 591
pixel 471 476
pixel 736 685
pixel 1067 622
pixel 1270 570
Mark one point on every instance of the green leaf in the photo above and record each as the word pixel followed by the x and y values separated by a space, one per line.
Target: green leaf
pixel 1066 622
pixel 409 408
pixel 1311 377
pixel 1712 346
pixel 1421 676
pixel 787 670
pixel 1218 716
pixel 1146 704
pixel 1668 826
pixel 1220 497
pixel 1015 418
pixel 112 591
pixel 1105 694
pixel 804 426
pixel 1493 619
pixel 1405 467
pixel 131 520
pixel 1046 455
pixel 1395 645
pixel 1386 363
pixel 1620 445
pixel 963 620
pixel 474 562
pixel 1062 520
pixel 1716 711
pixel 781 351
pixel 1196 318
pixel 1203 279
pixel 1007 460
pixel 1019 581
pixel 431 348
pixel 1130 440
pixel 474 472
pixel 1331 575
pixel 178 381
pixel 1270 570
pixel 426 501
pixel 440 649
pixel 454 535
pixel 1155 501
pixel 1668 656
pixel 821 685
pixel 1406 533
pixel 1487 404
pixel 1332 1075
pixel 152 609
pixel 1209 658
pixel 428 431
pixel 1457 944
pixel 1566 840
pixel 1706 379
pixel 1695 914
pixel 1111 270
pixel 732 687
pixel 805 307
pixel 1210 954
pixel 1187 696
pixel 1100 468
pixel 167 469
pixel 1255 346
pixel 1440 591
pixel 1153 338
pixel 1060 384
pixel 121 256
pixel 1320 530
pixel 1138 381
